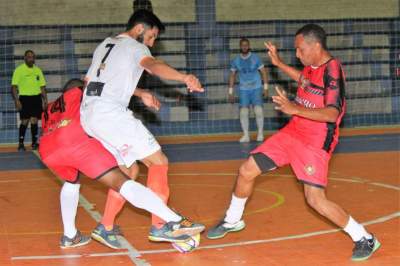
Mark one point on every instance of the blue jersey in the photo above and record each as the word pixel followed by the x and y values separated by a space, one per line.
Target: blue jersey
pixel 248 69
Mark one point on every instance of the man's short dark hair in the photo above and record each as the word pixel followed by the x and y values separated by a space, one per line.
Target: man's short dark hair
pixel 315 32
pixel 146 17
pixel 28 51
pixel 243 39
pixel 73 83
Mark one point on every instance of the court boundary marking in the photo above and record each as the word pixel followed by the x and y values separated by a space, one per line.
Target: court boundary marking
pixel 132 253
pixel 380 219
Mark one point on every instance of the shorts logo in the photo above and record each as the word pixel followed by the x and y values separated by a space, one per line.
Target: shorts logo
pixel 310 169
pixel 124 150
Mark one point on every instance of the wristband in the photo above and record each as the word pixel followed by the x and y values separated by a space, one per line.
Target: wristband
pixel 265 86
pixel 230 91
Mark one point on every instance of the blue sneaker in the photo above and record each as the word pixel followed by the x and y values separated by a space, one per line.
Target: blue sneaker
pixel 222 228
pixel 105 237
pixel 364 248
pixel 77 241
pixel 175 231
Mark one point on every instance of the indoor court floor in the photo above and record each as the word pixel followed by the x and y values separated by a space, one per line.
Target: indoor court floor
pixel 281 229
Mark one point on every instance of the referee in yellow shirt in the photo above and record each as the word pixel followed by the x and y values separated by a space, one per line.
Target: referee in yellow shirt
pixel 28 88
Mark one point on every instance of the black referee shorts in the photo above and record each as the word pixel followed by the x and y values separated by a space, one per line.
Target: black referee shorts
pixel 31 106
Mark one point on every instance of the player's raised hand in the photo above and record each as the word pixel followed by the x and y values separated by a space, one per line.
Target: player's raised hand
pixel 272 52
pixel 283 103
pixel 150 100
pixel 192 83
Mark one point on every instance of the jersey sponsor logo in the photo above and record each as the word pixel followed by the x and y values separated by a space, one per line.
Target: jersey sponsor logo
pixel 305 102
pixel 305 82
pixel 94 88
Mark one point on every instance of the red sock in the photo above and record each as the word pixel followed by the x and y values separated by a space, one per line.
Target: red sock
pixel 114 204
pixel 157 181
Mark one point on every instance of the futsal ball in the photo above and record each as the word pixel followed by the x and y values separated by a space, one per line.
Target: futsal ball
pixel 188 246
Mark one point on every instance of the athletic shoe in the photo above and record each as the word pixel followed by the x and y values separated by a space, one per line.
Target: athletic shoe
pixel 77 241
pixel 105 237
pixel 35 146
pixel 222 228
pixel 117 230
pixel 364 248
pixel 244 138
pixel 175 231
pixel 260 137
pixel 21 147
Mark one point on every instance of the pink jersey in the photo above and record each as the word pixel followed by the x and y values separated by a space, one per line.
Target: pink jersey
pixel 319 87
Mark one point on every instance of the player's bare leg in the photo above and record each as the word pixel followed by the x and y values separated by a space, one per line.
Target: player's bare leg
pixel 365 243
pixel 244 185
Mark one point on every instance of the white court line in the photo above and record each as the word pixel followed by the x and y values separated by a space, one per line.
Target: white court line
pixel 132 252
pixel 378 220
pixel 234 244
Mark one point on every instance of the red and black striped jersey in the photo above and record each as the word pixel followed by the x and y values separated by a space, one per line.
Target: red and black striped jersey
pixel 61 125
pixel 320 87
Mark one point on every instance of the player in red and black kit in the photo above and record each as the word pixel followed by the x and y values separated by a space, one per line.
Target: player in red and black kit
pixel 306 142
pixel 67 150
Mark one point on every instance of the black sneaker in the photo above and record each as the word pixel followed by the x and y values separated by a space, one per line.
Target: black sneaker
pixel 364 248
pixel 21 147
pixel 35 146
pixel 77 241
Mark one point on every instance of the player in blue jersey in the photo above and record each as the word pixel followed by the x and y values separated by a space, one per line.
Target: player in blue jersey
pixel 251 90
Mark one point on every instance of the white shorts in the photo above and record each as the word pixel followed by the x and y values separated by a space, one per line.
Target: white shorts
pixel 119 131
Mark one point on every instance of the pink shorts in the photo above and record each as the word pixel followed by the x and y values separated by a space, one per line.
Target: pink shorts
pixel 309 163
pixel 88 157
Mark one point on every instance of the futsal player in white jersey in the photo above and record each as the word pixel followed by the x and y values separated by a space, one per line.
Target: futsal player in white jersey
pixel 117 64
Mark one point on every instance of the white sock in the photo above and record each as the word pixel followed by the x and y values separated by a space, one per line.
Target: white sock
pixel 244 120
pixel 235 211
pixel 69 199
pixel 356 230
pixel 258 111
pixel 142 197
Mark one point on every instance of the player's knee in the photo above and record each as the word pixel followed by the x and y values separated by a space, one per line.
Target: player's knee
pixel 244 111
pixel 114 179
pixel 159 158
pixel 34 120
pixel 258 111
pixel 247 171
pixel 24 122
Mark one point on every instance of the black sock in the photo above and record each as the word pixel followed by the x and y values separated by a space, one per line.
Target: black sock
pixel 22 130
pixel 34 131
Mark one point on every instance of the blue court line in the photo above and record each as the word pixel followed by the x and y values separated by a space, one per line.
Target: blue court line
pixel 212 151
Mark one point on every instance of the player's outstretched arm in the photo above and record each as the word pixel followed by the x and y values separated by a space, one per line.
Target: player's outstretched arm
pixel 272 52
pixel 164 71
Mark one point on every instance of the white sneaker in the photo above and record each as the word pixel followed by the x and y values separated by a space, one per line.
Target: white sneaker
pixel 244 138
pixel 260 137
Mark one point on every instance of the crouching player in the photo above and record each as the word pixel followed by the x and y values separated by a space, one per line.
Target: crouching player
pixel 67 150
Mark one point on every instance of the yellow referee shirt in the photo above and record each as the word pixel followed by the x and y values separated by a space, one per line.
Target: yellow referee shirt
pixel 28 80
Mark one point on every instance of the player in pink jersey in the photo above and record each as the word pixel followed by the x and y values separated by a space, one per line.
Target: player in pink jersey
pixel 67 150
pixel 306 142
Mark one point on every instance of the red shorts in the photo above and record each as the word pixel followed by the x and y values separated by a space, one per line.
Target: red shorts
pixel 309 163
pixel 88 157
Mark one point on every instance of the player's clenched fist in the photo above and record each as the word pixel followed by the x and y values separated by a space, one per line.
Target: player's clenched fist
pixel 193 83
